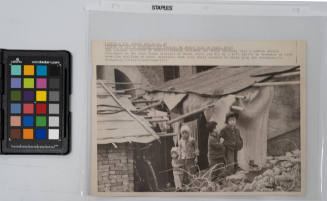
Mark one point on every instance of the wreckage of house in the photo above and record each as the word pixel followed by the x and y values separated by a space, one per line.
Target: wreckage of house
pixel 135 131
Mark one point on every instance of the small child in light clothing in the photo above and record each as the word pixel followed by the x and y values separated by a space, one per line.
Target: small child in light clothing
pixel 177 168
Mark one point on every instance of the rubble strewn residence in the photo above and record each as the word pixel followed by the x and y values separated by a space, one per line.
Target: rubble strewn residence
pixel 140 110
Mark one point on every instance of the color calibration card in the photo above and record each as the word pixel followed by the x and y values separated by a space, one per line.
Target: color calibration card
pixel 35 115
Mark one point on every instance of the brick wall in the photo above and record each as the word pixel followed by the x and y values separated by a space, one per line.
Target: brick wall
pixel 115 168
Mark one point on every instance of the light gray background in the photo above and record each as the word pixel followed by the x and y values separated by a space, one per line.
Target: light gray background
pixel 62 24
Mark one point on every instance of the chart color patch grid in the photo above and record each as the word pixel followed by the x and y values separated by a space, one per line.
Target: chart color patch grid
pixel 34 102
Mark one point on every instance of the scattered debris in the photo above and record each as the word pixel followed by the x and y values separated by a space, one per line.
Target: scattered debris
pixel 281 173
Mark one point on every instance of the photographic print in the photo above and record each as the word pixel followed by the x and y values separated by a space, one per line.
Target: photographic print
pixel 198 129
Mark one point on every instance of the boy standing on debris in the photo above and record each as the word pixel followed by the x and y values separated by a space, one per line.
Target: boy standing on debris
pixel 177 168
pixel 232 141
pixel 188 152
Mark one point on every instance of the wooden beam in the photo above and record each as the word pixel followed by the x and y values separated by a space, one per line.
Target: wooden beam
pixel 125 90
pixel 238 108
pixel 157 120
pixel 263 84
pixel 240 97
pixel 287 74
pixel 149 107
pixel 164 134
pixel 144 101
pixel 150 117
pixel 189 114
pixel 114 83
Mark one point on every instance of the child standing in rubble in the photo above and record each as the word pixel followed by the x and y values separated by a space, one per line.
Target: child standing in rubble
pixel 177 168
pixel 188 152
pixel 232 141
pixel 216 151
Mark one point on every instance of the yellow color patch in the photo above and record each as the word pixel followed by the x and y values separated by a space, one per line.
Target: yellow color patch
pixel 28 69
pixel 41 96
pixel 28 133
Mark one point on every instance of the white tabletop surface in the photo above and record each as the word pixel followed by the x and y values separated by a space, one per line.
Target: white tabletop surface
pixel 63 24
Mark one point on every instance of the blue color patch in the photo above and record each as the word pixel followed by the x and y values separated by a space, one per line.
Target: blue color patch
pixel 41 134
pixel 28 120
pixel 41 70
pixel 16 70
pixel 15 108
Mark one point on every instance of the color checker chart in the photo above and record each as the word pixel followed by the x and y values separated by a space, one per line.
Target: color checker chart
pixel 36 91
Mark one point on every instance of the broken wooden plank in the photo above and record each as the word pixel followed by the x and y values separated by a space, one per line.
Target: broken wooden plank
pixel 122 91
pixel 189 114
pixel 129 112
pixel 263 84
pixel 287 74
pixel 238 108
pixel 157 120
pixel 114 83
pixel 149 107
pixel 151 117
pixel 144 101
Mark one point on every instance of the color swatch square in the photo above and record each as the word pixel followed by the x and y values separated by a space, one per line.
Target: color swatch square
pixel 15 108
pixel 15 83
pixel 15 121
pixel 28 69
pixel 29 83
pixel 53 121
pixel 41 70
pixel 28 108
pixel 41 83
pixel 15 133
pixel 16 70
pixel 54 70
pixel 41 121
pixel 41 134
pixel 53 95
pixel 53 134
pixel 41 108
pixel 54 83
pixel 53 108
pixel 15 95
pixel 28 133
pixel 41 96
pixel 28 121
pixel 28 96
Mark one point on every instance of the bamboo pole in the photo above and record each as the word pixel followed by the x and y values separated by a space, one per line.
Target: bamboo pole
pixel 189 114
pixel 262 84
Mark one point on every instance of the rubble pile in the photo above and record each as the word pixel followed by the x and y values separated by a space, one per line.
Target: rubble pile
pixel 281 174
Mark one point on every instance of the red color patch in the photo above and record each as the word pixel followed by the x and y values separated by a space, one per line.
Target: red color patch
pixel 28 108
pixel 41 108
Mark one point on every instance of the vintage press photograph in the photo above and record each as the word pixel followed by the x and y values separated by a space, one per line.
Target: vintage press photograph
pixel 198 128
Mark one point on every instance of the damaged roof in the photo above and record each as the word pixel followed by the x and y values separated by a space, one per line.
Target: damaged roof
pixel 115 121
pixel 222 80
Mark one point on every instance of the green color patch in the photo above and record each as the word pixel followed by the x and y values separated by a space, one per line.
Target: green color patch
pixel 28 82
pixel 41 121
pixel 15 95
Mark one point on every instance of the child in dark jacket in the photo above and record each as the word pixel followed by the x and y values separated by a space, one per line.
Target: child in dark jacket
pixel 232 141
pixel 216 150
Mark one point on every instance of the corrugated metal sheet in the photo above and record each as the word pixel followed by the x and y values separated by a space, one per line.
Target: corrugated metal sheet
pixel 222 80
pixel 116 125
